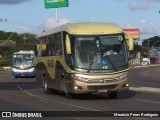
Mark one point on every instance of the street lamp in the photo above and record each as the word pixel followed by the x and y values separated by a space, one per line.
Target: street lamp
pixel 153 26
pixel 24 37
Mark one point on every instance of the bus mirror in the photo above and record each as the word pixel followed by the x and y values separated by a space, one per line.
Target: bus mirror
pixel 68 44
pixel 130 41
pixel 36 47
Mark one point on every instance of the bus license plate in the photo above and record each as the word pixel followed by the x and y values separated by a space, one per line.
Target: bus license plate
pixel 23 74
pixel 102 90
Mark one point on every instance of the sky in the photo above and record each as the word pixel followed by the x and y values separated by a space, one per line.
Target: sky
pixel 32 16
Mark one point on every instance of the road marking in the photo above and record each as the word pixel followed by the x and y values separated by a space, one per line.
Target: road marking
pixel 45 99
pixel 146 89
pixel 155 102
pixel 91 109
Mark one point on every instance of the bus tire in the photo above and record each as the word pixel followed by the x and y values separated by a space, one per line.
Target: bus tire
pixel 46 89
pixel 112 95
pixel 67 94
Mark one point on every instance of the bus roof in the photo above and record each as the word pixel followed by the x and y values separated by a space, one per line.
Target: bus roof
pixel 24 52
pixel 88 28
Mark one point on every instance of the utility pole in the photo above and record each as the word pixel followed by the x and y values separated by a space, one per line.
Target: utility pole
pixel 148 44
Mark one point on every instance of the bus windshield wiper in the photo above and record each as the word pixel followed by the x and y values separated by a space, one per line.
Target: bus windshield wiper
pixel 91 62
pixel 115 69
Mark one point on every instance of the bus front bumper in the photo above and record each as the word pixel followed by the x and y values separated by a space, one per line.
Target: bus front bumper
pixel 29 74
pixel 80 87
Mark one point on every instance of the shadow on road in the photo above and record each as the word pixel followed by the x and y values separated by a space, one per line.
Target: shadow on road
pixel 99 96
pixel 13 85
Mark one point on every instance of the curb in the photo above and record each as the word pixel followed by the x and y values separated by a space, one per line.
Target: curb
pixel 145 89
pixel 143 66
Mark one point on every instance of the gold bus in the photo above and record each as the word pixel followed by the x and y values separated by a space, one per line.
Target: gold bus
pixel 73 58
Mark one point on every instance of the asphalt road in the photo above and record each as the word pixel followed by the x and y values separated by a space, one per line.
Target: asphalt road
pixel 24 94
pixel 145 77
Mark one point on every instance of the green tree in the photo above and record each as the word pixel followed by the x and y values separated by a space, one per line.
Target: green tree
pixel 24 41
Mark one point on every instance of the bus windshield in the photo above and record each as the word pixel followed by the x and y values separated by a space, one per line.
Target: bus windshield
pixel 22 61
pixel 102 53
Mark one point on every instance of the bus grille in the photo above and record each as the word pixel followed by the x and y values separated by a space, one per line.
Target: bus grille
pixel 104 81
pixel 102 87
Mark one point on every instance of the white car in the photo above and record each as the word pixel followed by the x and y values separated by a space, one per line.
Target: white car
pixel 145 61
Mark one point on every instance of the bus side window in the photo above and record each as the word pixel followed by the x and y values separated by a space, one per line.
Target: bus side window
pixel 45 46
pixel 52 44
pixel 39 48
pixel 51 40
pixel 58 44
pixel 36 47
pixel 55 44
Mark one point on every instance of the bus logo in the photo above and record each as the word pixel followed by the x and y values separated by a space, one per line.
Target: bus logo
pixel 102 81
pixel 50 63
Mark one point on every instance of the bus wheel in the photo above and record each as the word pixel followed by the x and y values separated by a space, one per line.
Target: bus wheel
pixel 112 95
pixel 67 94
pixel 46 89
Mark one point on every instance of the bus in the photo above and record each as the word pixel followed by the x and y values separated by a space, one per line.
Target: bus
pixel 23 64
pixel 71 58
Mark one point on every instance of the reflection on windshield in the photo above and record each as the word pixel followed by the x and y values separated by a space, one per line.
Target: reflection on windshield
pixel 99 52
pixel 23 61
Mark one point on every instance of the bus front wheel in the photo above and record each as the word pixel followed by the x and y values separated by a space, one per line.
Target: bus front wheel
pixel 67 94
pixel 112 95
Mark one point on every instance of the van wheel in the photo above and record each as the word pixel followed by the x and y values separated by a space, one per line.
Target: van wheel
pixel 112 95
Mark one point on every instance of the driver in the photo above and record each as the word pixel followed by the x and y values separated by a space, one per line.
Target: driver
pixel 109 52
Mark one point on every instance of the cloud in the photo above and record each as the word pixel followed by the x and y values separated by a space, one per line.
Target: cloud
pixel 131 26
pixel 143 30
pixel 136 1
pixel 51 22
pixel 151 1
pixel 25 29
pixel 140 6
pixel 149 30
pixel 13 1
pixel 46 25
pixel 73 0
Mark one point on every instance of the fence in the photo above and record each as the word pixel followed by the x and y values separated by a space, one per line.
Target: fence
pixel 136 61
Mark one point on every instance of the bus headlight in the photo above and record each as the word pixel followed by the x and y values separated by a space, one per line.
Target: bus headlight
pixel 122 77
pixel 81 79
pixel 31 70
pixel 14 70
